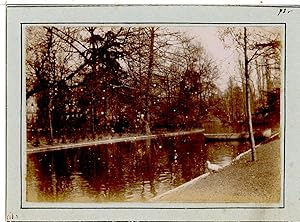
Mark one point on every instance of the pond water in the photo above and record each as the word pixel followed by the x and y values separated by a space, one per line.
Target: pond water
pixel 127 171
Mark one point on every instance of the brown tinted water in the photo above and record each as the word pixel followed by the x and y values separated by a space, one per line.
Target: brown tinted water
pixel 126 171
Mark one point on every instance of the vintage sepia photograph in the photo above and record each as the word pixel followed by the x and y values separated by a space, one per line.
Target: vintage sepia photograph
pixel 154 113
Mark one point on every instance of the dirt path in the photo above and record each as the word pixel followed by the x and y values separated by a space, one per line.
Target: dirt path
pixel 241 182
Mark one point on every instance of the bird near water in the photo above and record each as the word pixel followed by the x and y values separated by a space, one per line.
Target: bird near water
pixel 213 167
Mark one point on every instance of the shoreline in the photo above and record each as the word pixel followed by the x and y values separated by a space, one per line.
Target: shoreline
pixel 44 148
pixel 235 175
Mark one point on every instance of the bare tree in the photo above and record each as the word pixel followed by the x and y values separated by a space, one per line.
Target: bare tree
pixel 250 45
pixel 90 80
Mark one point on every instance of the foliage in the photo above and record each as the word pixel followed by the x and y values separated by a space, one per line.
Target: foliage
pixel 89 81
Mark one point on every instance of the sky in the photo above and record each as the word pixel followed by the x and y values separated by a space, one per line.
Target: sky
pixel 225 58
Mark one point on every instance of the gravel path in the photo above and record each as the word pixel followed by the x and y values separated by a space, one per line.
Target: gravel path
pixel 241 182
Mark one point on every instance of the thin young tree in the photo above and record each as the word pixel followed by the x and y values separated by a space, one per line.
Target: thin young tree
pixel 251 44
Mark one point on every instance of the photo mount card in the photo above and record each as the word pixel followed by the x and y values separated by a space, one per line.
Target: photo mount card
pixel 135 112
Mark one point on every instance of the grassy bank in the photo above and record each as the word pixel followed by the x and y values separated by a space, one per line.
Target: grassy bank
pixel 241 182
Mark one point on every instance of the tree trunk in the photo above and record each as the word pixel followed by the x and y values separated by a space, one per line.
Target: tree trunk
pixel 50 140
pixel 259 82
pixel 94 70
pixel 149 77
pixel 268 76
pixel 248 99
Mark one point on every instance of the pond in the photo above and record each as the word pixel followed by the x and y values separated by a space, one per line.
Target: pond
pixel 126 171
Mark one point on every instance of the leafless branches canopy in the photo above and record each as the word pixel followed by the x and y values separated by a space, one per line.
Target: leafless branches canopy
pixel 103 80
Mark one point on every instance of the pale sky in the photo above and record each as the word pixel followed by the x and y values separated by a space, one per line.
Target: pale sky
pixel 225 58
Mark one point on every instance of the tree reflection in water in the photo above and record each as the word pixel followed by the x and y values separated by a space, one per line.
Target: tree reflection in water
pixel 127 171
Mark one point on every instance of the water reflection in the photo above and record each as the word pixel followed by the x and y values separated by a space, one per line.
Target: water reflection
pixel 222 153
pixel 129 171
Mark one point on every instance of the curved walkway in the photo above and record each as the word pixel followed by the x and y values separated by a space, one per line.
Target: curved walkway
pixel 109 140
pixel 241 182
